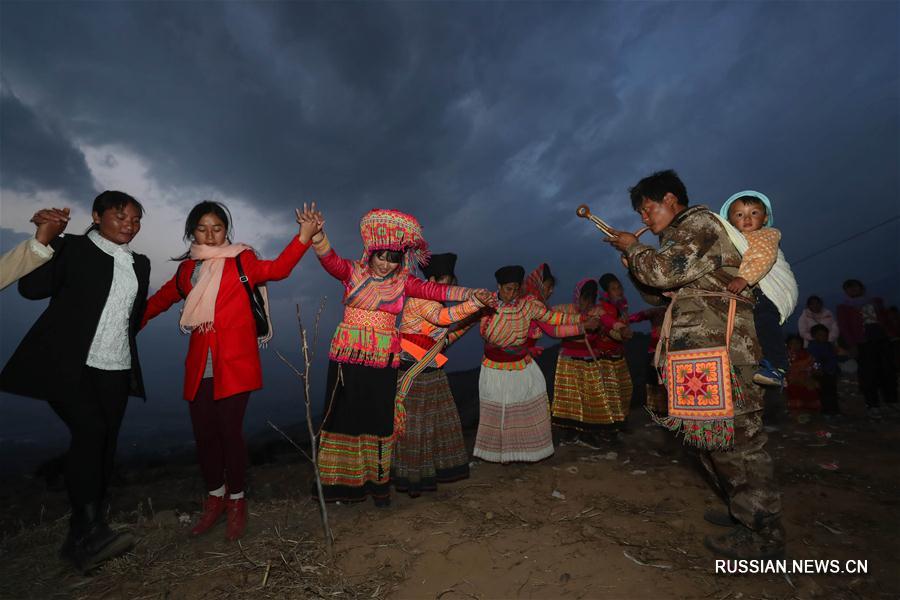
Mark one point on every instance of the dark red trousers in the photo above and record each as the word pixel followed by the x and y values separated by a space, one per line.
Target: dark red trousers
pixel 219 433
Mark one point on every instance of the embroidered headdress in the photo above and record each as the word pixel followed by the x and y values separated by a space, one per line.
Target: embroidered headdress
pixel 534 283
pixel 384 229
pixel 580 286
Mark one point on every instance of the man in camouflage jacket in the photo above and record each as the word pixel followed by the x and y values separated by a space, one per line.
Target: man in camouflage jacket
pixel 695 254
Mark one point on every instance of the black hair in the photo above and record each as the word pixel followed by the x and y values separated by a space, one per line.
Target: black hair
pixel 589 291
pixel 113 199
pixel 811 298
pixel 751 200
pixel 606 279
pixel 818 327
pixel 656 186
pixel 207 207
pixel 391 256
pixel 852 282
pixel 791 337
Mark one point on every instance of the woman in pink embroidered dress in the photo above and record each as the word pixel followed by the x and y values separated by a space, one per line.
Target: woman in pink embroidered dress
pixel 358 433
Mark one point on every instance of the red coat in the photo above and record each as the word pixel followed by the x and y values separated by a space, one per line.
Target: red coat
pixel 232 340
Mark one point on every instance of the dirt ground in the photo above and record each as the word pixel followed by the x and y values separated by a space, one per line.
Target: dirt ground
pixel 621 521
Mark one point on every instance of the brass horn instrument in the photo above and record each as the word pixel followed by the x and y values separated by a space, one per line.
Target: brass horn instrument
pixel 585 213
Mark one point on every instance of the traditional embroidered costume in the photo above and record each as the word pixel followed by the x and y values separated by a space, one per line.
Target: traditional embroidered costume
pixel 802 391
pixel 514 422
pixel 534 287
pixel 610 351
pixel 432 449
pixel 656 392
pixel 357 436
pixel 580 398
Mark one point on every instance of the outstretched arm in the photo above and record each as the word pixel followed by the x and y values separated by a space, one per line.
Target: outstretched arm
pixel 555 323
pixel 162 300
pixel 684 257
pixel 45 280
pixel 430 290
pixel 258 271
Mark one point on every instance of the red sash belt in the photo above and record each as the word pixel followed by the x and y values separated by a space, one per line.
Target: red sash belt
pixel 580 345
pixel 423 341
pixel 505 355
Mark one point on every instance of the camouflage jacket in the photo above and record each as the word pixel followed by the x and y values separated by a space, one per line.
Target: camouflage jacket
pixel 695 254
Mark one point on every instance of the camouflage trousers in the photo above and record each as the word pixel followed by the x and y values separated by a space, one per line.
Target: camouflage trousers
pixel 744 475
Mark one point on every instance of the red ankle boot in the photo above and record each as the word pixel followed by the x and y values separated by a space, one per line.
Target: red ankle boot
pixel 213 508
pixel 237 518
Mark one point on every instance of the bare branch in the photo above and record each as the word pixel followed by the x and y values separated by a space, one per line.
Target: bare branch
pixel 290 440
pixel 307 400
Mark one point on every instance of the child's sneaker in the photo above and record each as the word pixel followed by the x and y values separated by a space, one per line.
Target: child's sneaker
pixel 768 375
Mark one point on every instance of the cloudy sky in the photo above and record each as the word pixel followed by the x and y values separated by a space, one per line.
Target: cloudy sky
pixel 489 121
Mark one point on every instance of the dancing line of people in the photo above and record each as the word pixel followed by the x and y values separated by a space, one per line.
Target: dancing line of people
pixel 389 414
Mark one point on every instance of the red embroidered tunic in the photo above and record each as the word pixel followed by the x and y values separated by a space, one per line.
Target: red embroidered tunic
pixel 368 333
pixel 506 330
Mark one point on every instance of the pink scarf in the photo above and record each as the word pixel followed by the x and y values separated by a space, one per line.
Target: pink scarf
pixel 200 305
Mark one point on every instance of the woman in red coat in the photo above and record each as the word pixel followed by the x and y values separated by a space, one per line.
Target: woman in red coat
pixel 222 365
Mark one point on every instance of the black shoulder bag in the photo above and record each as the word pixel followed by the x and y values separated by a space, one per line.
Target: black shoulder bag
pixel 257 303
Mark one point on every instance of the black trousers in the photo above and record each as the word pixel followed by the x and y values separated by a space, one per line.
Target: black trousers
pixel 877 371
pixel 93 415
pixel 219 433
pixel 769 331
pixel 828 393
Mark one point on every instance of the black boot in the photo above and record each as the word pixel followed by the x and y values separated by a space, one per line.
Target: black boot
pixel 67 550
pixel 741 542
pixel 94 541
pixel 722 518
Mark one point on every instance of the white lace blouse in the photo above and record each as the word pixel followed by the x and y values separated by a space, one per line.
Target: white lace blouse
pixel 109 349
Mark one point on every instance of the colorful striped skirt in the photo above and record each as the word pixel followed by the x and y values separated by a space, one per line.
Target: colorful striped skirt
pixel 356 441
pixel 432 450
pixel 580 399
pixel 616 383
pixel 514 422
pixel 657 400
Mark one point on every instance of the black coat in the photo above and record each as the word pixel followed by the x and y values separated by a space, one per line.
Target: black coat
pixel 50 360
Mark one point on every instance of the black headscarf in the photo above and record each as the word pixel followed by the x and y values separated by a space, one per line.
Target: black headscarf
pixel 510 274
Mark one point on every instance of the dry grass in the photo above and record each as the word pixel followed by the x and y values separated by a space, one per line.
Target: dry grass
pixel 282 556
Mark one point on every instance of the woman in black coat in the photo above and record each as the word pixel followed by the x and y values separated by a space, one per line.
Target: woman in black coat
pixel 81 357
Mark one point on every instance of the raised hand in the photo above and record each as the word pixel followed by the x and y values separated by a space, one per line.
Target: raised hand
pixel 311 222
pixel 486 298
pixel 50 222
pixel 622 240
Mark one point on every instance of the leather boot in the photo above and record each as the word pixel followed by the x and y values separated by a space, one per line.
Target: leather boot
pixel 744 543
pixel 96 542
pixel 77 528
pixel 213 509
pixel 722 518
pixel 236 513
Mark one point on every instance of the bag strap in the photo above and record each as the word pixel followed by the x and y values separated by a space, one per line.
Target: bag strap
pixel 178 280
pixel 242 277
pixel 729 328
pixel 665 330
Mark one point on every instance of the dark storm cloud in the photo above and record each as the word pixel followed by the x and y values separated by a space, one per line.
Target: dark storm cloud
pixel 489 121
pixel 36 154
